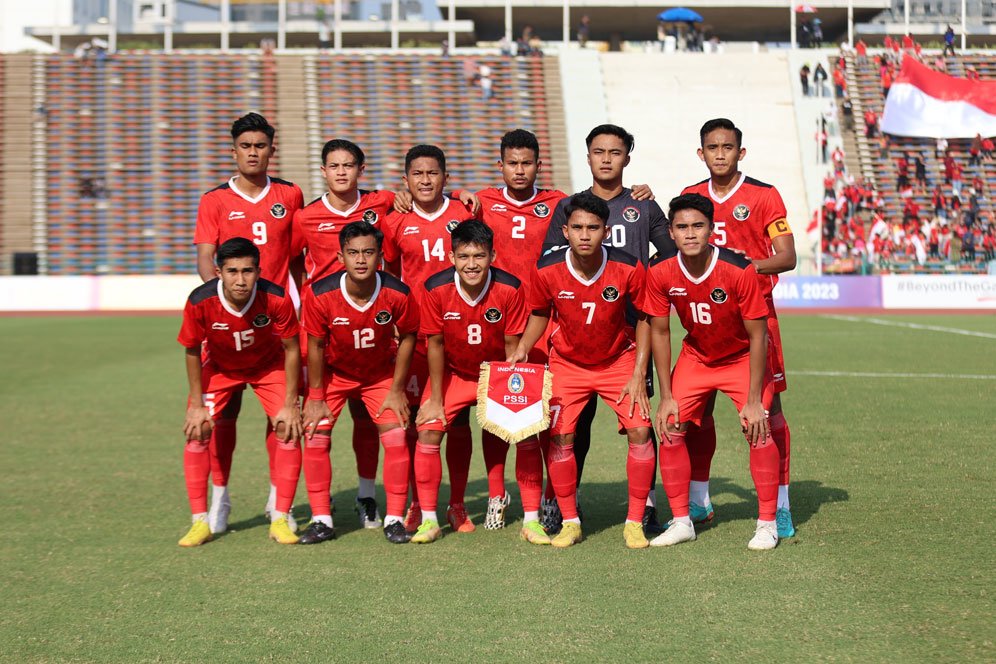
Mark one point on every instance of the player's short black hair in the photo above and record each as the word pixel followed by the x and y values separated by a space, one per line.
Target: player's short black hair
pixel 237 247
pixel 342 144
pixel 252 122
pixel 472 232
pixel 519 138
pixel 691 202
pixel 720 123
pixel 357 229
pixel 588 202
pixel 611 130
pixel 425 151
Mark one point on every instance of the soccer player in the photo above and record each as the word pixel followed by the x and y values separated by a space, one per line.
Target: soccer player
pixel 251 205
pixel 471 313
pixel 750 217
pixel 589 288
pixel 716 295
pixel 415 249
pixel 250 332
pixel 633 226
pixel 351 317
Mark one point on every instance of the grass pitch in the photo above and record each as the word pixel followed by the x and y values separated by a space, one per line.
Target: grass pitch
pixel 892 495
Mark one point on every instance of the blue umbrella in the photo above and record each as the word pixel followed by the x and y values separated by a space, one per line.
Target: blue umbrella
pixel 679 15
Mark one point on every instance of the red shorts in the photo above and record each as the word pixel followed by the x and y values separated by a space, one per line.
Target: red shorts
pixel 458 393
pixel 692 383
pixel 418 379
pixel 776 363
pixel 270 387
pixel 340 387
pixel 573 385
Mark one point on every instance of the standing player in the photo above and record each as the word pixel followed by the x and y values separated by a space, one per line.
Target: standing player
pixel 351 317
pixel 589 287
pixel 415 248
pixel 750 217
pixel 251 335
pixel 471 313
pixel 633 226
pixel 716 295
pixel 251 205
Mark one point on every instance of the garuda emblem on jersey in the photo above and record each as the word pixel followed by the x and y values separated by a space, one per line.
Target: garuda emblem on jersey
pixel 631 214
pixel 370 216
pixel 278 211
pixel 261 320
pixel 451 225
pixel 492 315
pixel 610 293
pixel 718 295
pixel 541 210
pixel 383 317
pixel 741 212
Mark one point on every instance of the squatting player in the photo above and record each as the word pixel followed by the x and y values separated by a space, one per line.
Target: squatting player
pixel 588 287
pixel 716 295
pixel 250 332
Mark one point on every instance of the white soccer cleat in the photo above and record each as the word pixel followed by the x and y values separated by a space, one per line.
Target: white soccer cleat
pixel 221 507
pixel 765 536
pixel 676 533
pixel 495 517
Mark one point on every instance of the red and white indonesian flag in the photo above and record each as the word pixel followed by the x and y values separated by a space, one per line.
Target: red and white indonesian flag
pixel 930 104
pixel 514 403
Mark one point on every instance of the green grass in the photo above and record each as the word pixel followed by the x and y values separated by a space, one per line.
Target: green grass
pixel 892 495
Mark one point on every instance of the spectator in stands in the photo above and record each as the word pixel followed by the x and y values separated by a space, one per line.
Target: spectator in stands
pixel 444 48
pixel 871 123
pixel 911 210
pixel 941 149
pixel 920 170
pixel 847 110
pixel 979 185
pixel 838 161
pixel 485 82
pixel 987 149
pixel 968 245
pixel 584 31
pixel 971 74
pixel 861 49
pixel 956 171
pixel 804 79
pixel 661 35
pixel 819 80
pixel 939 203
pixel 886 78
pixel 949 163
pixel 933 243
pixel 822 141
pixel 817 33
pixel 975 151
pixel 883 145
pixel 940 64
pixel 989 244
pixel 828 189
pixel 908 44
pixel 505 45
pixel 902 173
pixel 839 82
pixel 949 41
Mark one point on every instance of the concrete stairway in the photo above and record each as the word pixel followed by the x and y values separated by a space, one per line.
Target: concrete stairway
pixel 556 154
pixel 18 125
pixel 297 108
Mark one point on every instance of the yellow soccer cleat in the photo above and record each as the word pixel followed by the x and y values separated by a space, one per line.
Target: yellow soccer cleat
pixel 428 532
pixel 281 533
pixel 633 534
pixel 199 533
pixel 570 534
pixel 533 533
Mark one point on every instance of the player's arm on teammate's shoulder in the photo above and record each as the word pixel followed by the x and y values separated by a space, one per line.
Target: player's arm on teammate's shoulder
pixel 636 388
pixel 554 233
pixel 641 192
pixel 752 417
pixel 205 261
pixel 197 423
pixel 287 422
pixel 433 409
pixel 659 235
pixel 403 201
pixel 783 245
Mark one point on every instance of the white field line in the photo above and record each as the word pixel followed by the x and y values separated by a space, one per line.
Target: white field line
pixel 912 326
pixel 872 374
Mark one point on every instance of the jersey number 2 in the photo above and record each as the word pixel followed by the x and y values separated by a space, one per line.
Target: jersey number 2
pixel 519 229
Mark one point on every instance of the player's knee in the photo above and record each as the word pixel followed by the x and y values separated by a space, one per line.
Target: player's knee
pixel 531 444
pixel 427 448
pixel 641 451
pixel 561 449
pixel 318 442
pixel 196 446
pixel 638 435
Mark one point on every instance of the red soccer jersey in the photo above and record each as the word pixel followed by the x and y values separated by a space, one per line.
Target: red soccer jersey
pixel 746 219
pixel 318 224
pixel 225 212
pixel 712 307
pixel 360 339
pixel 473 330
pixel 591 314
pixel 519 227
pixel 422 241
pixel 239 342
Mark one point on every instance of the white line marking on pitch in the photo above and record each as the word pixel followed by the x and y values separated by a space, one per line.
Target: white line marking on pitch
pixel 870 374
pixel 912 326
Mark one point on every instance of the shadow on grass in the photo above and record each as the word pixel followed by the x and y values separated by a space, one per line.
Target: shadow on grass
pixel 807 497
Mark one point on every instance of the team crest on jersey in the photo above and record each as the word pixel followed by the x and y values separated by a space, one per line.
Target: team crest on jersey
pixel 371 216
pixel 541 210
pixel 610 293
pixel 631 214
pixel 451 225
pixel 492 315
pixel 718 295
pixel 741 212
pixel 383 317
pixel 261 320
pixel 516 384
pixel 278 211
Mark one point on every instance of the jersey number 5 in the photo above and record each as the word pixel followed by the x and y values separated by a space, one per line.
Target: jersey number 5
pixel 719 233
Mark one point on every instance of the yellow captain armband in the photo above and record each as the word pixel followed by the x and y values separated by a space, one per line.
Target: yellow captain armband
pixel 779 228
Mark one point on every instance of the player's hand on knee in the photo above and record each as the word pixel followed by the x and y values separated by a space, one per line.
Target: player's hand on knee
pixel 287 423
pixel 430 412
pixel 667 409
pixel 397 403
pixel 315 410
pixel 636 390
pixel 198 423
pixel 754 421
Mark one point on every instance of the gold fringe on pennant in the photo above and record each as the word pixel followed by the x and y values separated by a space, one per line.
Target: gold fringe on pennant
pixel 511 437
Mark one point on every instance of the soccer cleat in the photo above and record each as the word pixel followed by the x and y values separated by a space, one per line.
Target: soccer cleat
pixel 633 534
pixel 396 534
pixel 316 533
pixel 459 521
pixel 495 518
pixel 765 537
pixel 570 534
pixel 291 522
pixel 281 533
pixel 783 519
pixel 699 513
pixel 428 532
pixel 533 533
pixel 676 533
pixel 199 533
pixel 366 509
pixel 218 514
pixel 413 517
pixel 550 518
pixel 651 526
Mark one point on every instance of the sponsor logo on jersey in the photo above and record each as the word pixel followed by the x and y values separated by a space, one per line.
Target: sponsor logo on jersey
pixel 326 226
pixel 499 207
pixel 779 376
pixel 261 320
pixel 410 230
pixel 610 293
pixel 516 384
pixel 741 212
pixel 383 317
pixel 451 225
pixel 339 320
pixel 631 214
pixel 541 210
pixel 278 211
pixel 676 291
pixel 219 326
pixel 492 315
pixel 371 216
pixel 718 295
pixel 565 295
pixel 236 214
pixel 451 315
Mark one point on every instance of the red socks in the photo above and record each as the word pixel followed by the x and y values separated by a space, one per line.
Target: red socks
pixel 428 475
pixel 529 474
pixel 287 465
pixel 639 475
pixel 396 462
pixel 564 476
pixel 495 454
pixel 764 461
pixel 222 449
pixel 676 471
pixel 544 442
pixel 196 470
pixel 411 441
pixel 459 448
pixel 701 445
pixel 365 444
pixel 318 469
pixel 783 440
